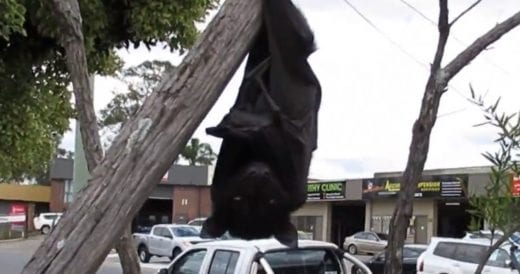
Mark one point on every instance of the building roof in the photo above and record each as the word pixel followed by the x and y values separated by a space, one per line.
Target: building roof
pixel 441 171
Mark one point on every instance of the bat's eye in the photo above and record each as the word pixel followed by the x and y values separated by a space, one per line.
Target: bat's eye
pixel 237 198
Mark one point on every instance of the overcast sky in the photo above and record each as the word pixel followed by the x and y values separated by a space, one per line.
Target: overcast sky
pixel 373 82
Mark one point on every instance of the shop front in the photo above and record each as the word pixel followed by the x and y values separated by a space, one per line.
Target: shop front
pixel 314 218
pixel 440 206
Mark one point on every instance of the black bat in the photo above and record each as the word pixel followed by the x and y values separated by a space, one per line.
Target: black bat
pixel 269 134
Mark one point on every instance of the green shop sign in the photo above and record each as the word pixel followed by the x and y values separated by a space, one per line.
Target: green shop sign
pixel 325 191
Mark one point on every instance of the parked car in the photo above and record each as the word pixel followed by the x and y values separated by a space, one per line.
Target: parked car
pixel 461 256
pixel 265 256
pixel 166 240
pixel 197 223
pixel 365 242
pixel 486 234
pixel 410 254
pixel 483 234
pixel 45 221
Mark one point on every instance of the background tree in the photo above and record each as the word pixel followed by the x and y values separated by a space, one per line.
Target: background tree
pixel 196 152
pixel 498 207
pixel 436 86
pixel 51 43
pixel 141 80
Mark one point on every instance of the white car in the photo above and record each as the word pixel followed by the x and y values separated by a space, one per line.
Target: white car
pixel 45 221
pixel 461 256
pixel 197 223
pixel 266 256
pixel 166 240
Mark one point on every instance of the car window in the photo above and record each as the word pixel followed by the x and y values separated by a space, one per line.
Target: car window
pixel 382 236
pixel 498 258
pixel 469 253
pixel 298 261
pixel 412 253
pixel 371 237
pixel 361 235
pixel 445 249
pixel 190 263
pixel 223 262
pixel 157 231
pixel 185 231
pixel 166 233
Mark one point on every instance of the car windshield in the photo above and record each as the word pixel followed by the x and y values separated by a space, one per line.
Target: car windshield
pixel 382 236
pixel 296 261
pixel 185 231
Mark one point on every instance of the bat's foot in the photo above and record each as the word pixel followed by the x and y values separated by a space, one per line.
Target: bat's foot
pixel 211 229
pixel 287 235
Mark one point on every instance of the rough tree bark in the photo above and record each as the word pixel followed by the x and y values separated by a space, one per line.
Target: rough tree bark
pixel 71 37
pixel 148 145
pixel 435 87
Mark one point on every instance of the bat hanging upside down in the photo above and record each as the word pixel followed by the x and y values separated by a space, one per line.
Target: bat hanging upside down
pixel 269 134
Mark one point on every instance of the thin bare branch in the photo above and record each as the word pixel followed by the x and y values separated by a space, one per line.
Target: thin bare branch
pixel 444 32
pixel 465 11
pixel 466 56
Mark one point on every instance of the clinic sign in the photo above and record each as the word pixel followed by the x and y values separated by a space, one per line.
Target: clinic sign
pixel 319 191
pixel 434 187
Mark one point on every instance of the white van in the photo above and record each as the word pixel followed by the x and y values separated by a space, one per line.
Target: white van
pixel 461 256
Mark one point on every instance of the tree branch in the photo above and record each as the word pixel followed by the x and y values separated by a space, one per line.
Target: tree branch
pixel 68 15
pixel 464 12
pixel 466 56
pixel 444 32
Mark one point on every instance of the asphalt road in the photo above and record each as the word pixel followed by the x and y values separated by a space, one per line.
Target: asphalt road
pixel 15 254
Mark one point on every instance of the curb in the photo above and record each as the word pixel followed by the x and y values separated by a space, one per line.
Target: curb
pixel 11 240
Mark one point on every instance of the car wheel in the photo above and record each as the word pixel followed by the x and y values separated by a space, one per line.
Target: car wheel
pixel 175 252
pixel 356 270
pixel 352 249
pixel 46 229
pixel 144 256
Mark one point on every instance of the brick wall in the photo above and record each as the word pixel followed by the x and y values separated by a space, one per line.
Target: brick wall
pixel 190 202
pixel 56 203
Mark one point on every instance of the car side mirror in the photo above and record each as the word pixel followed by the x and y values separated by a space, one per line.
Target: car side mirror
pixel 162 271
pixel 509 263
pixel 168 236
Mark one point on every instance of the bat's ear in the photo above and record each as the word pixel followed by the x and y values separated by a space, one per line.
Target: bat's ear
pixel 212 228
pixel 287 235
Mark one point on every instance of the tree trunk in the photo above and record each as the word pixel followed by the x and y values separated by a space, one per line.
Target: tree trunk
pixel 422 128
pixel 127 254
pixel 68 15
pixel 148 145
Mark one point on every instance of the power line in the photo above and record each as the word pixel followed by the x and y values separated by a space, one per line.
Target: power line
pixel 385 35
pixel 407 53
pixel 454 37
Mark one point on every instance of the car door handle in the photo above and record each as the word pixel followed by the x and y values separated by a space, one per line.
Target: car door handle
pixel 456 265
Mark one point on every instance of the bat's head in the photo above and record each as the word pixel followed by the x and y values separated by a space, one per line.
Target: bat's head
pixel 256 192
pixel 255 206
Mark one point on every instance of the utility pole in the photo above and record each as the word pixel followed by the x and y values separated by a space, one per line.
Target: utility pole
pixel 80 174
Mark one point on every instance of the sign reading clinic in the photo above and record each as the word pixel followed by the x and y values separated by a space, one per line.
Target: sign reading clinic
pixel 432 187
pixel 325 191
